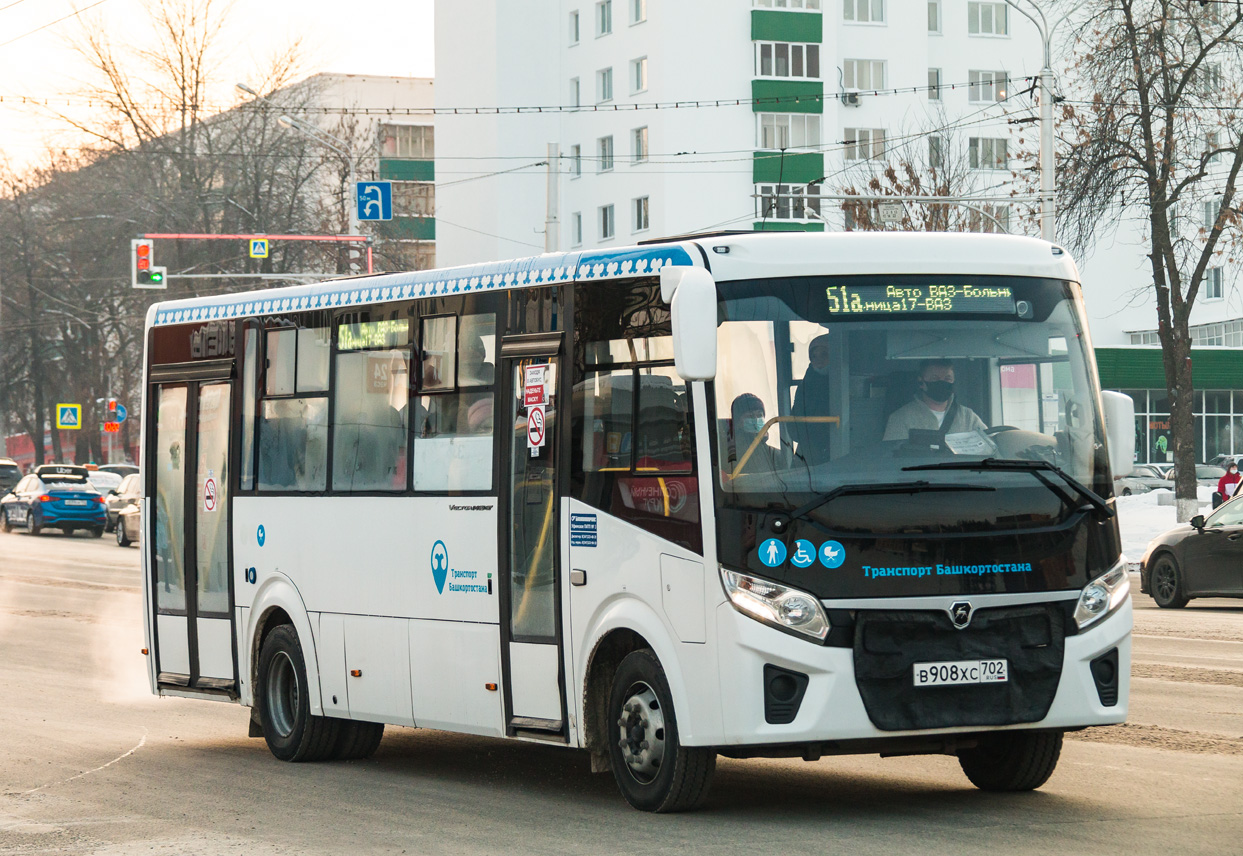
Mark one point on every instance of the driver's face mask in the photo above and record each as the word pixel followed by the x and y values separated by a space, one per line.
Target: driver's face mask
pixel 939 391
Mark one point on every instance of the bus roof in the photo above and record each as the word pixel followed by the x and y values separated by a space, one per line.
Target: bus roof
pixel 728 256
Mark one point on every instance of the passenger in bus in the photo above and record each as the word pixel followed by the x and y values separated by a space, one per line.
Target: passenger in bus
pixel 932 405
pixel 747 422
pixel 473 368
pixel 812 399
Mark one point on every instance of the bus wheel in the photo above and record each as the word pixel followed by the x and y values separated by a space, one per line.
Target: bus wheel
pixel 357 740
pixel 1012 761
pixel 654 771
pixel 293 734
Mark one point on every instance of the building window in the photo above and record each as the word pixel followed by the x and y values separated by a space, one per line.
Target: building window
pixel 574 27
pixel 787 201
pixel 605 150
pixel 416 198
pixel 604 17
pixel 576 93
pixel 864 11
pixel 987 153
pixel 936 152
pixel 812 5
pixel 786 59
pixel 1212 142
pixel 576 161
pixel 641 210
pixel 608 223
pixel 863 74
pixel 1209 78
pixel 993 218
pixel 864 143
pixel 638 144
pixel 638 74
pixel 1212 285
pixel 638 11
pixel 576 229
pixel 934 16
pixel 788 130
pixel 987 86
pixel 1212 209
pixel 934 84
pixel 407 141
pixel 987 19
pixel 604 85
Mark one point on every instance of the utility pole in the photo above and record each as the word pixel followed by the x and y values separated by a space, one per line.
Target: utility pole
pixel 1048 186
pixel 552 224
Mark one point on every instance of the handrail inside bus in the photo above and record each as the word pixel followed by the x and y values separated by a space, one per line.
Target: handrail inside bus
pixel 834 420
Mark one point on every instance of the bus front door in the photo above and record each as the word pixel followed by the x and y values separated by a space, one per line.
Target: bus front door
pixel 189 548
pixel 531 645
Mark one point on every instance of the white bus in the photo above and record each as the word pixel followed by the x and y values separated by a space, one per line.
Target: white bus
pixel 780 495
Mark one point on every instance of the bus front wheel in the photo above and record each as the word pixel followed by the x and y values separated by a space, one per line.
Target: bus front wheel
pixel 654 771
pixel 1012 760
pixel 291 731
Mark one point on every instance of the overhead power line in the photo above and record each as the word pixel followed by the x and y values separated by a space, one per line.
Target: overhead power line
pixel 50 23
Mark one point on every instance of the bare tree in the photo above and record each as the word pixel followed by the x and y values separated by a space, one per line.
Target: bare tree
pixel 1155 130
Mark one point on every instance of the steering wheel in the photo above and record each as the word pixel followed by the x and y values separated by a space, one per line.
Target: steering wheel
pixel 997 429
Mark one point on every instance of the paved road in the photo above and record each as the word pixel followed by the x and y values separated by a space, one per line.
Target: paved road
pixel 90 763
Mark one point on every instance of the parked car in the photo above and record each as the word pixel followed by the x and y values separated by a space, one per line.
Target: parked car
pixel 129 523
pixel 1126 486
pixel 1163 470
pixel 128 491
pixel 1206 475
pixel 120 469
pixel 1150 476
pixel 10 475
pixel 54 496
pixel 1197 559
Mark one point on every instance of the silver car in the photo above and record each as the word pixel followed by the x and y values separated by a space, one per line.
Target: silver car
pixel 1148 477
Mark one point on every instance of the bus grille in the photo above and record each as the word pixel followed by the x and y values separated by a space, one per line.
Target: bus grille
pixel 888 644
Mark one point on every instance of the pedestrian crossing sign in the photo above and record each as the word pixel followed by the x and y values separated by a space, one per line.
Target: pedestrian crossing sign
pixel 258 248
pixel 68 416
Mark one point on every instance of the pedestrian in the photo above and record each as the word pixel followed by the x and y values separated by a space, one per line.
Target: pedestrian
pixel 1228 483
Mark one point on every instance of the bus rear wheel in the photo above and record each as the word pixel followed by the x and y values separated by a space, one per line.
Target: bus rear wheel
pixel 291 731
pixel 654 771
pixel 1012 760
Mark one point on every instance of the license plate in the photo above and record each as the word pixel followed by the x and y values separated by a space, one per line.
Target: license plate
pixel 76 502
pixel 961 672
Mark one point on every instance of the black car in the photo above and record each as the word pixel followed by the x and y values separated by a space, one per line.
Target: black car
pixel 1203 558
pixel 10 475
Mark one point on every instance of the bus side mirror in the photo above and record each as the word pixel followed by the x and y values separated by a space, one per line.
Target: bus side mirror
pixel 691 295
pixel 1119 416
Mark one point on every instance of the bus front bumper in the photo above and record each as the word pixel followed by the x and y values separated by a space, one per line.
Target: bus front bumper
pixel 832 707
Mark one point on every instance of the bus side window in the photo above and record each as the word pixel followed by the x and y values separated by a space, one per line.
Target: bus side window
pixel 371 392
pixel 293 414
pixel 250 392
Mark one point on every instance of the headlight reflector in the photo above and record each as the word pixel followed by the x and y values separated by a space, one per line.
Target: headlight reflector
pixel 1103 595
pixel 777 605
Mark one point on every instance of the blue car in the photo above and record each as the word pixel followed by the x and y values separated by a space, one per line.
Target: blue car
pixel 54 496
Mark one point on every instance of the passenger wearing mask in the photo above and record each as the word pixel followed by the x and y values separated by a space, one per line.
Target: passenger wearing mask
pixel 1229 483
pixel 812 399
pixel 747 421
pixel 932 405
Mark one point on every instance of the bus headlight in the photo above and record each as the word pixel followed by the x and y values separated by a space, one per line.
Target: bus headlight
pixel 777 605
pixel 1103 595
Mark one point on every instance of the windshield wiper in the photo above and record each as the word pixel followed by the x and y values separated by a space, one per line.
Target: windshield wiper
pixel 1035 467
pixel 873 489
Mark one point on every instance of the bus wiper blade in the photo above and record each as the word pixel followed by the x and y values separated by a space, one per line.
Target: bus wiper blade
pixel 873 489
pixel 1035 467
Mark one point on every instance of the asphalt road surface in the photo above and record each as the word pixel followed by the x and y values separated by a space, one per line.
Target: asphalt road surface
pixel 91 763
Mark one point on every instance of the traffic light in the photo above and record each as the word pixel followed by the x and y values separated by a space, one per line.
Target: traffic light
pixel 142 266
pixel 112 409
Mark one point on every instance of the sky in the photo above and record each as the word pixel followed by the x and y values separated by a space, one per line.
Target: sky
pixel 395 38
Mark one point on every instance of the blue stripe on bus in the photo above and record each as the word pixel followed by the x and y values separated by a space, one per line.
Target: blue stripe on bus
pixel 519 273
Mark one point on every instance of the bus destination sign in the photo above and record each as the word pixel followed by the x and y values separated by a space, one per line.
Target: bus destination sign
pixel 919 299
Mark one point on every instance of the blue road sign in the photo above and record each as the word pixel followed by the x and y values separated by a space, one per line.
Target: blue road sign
pixel 69 416
pixel 375 200
pixel 121 413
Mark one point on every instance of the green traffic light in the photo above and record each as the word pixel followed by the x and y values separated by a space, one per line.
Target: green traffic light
pixel 157 277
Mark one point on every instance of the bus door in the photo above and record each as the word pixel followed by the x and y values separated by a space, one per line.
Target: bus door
pixel 531 638
pixel 189 535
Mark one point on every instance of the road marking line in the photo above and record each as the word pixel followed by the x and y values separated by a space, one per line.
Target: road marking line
pixel 141 743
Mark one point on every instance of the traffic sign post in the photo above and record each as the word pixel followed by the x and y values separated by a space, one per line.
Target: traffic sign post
pixel 69 417
pixel 375 200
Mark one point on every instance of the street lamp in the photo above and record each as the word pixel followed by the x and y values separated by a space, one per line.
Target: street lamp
pixel 326 140
pixel 1048 191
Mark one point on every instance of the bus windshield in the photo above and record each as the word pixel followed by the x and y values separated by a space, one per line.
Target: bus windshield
pixel 904 382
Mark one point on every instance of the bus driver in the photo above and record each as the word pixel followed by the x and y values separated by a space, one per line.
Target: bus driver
pixel 931 405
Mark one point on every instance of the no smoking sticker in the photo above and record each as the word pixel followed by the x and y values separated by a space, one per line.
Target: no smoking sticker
pixel 209 494
pixel 535 428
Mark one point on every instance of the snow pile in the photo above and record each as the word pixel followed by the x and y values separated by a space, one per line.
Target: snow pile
pixel 1140 519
